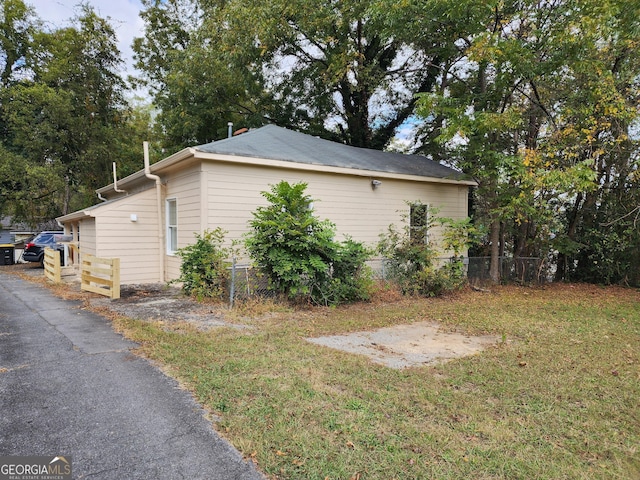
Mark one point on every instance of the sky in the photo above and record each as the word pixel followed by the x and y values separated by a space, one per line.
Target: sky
pixel 123 15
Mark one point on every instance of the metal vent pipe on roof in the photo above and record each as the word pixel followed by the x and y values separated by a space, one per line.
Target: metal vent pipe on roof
pixel 230 125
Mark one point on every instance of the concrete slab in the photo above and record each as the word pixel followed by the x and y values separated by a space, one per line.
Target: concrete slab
pixel 408 345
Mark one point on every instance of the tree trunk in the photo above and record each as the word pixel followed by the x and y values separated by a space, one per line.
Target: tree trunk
pixel 494 267
pixel 67 197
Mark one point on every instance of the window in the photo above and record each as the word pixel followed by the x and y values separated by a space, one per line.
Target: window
pixel 418 223
pixel 172 226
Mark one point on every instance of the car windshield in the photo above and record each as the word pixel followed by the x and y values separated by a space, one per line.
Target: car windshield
pixel 44 238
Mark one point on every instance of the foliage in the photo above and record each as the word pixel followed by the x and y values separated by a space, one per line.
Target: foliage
pixel 459 235
pixel 319 66
pixel 539 105
pixel 62 108
pixel 27 190
pixel 298 253
pixel 204 269
pixel 351 279
pixel 17 24
pixel 412 260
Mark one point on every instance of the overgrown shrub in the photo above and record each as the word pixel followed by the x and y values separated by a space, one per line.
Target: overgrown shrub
pixel 298 253
pixel 350 278
pixel 411 259
pixel 204 270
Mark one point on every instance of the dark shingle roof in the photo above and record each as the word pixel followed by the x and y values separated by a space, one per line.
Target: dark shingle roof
pixel 277 143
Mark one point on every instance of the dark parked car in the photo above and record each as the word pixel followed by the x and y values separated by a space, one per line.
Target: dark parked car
pixel 34 249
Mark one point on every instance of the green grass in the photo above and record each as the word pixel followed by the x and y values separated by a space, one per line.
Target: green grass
pixel 558 398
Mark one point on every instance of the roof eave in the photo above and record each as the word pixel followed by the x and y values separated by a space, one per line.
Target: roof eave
pixel 154 168
pixel 326 168
pixel 78 215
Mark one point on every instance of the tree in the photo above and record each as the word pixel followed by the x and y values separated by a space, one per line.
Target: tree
pixel 67 112
pixel 17 25
pixel 27 191
pixel 537 107
pixel 319 66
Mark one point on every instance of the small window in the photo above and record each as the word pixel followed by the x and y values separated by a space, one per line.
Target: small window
pixel 418 223
pixel 172 226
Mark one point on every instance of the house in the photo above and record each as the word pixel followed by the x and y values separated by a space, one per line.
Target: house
pixel 145 217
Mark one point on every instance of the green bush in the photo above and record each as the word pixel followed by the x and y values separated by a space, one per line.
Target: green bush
pixel 435 282
pixel 298 253
pixel 350 278
pixel 411 260
pixel 204 270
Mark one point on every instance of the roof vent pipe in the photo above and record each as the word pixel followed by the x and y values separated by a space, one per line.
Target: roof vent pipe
pixel 115 181
pixel 230 133
pixel 147 173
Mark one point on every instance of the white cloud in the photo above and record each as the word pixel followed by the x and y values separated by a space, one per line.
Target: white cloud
pixel 124 18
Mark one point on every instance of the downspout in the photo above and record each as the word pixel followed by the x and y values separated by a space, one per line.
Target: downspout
pixel 156 178
pixel 115 181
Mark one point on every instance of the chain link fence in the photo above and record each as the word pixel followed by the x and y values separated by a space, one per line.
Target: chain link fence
pixel 521 270
pixel 248 282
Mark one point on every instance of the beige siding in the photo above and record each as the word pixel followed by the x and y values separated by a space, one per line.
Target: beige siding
pixel 184 186
pixel 218 194
pixel 348 201
pixel 87 236
pixel 136 243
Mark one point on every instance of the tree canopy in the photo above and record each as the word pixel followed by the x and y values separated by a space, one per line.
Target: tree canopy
pixel 63 114
pixel 325 68
pixel 540 105
pixel 535 100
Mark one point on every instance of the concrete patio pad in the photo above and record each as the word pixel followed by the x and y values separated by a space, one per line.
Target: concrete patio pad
pixel 408 345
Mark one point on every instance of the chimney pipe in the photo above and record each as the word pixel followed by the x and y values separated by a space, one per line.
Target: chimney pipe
pixel 230 125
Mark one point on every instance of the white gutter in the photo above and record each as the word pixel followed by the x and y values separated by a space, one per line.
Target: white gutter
pixel 156 178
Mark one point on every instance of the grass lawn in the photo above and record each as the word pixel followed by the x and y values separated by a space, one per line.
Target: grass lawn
pixel 558 397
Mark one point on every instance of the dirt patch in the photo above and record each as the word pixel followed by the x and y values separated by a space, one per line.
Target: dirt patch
pixel 159 302
pixel 408 345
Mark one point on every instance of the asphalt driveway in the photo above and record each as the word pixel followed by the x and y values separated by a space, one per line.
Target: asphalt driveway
pixel 69 386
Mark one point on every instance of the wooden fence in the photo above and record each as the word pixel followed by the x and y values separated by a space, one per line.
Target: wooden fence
pixel 101 275
pixel 51 262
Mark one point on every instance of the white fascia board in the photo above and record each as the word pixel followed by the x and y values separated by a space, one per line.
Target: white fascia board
pixel 325 168
pixel 154 168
